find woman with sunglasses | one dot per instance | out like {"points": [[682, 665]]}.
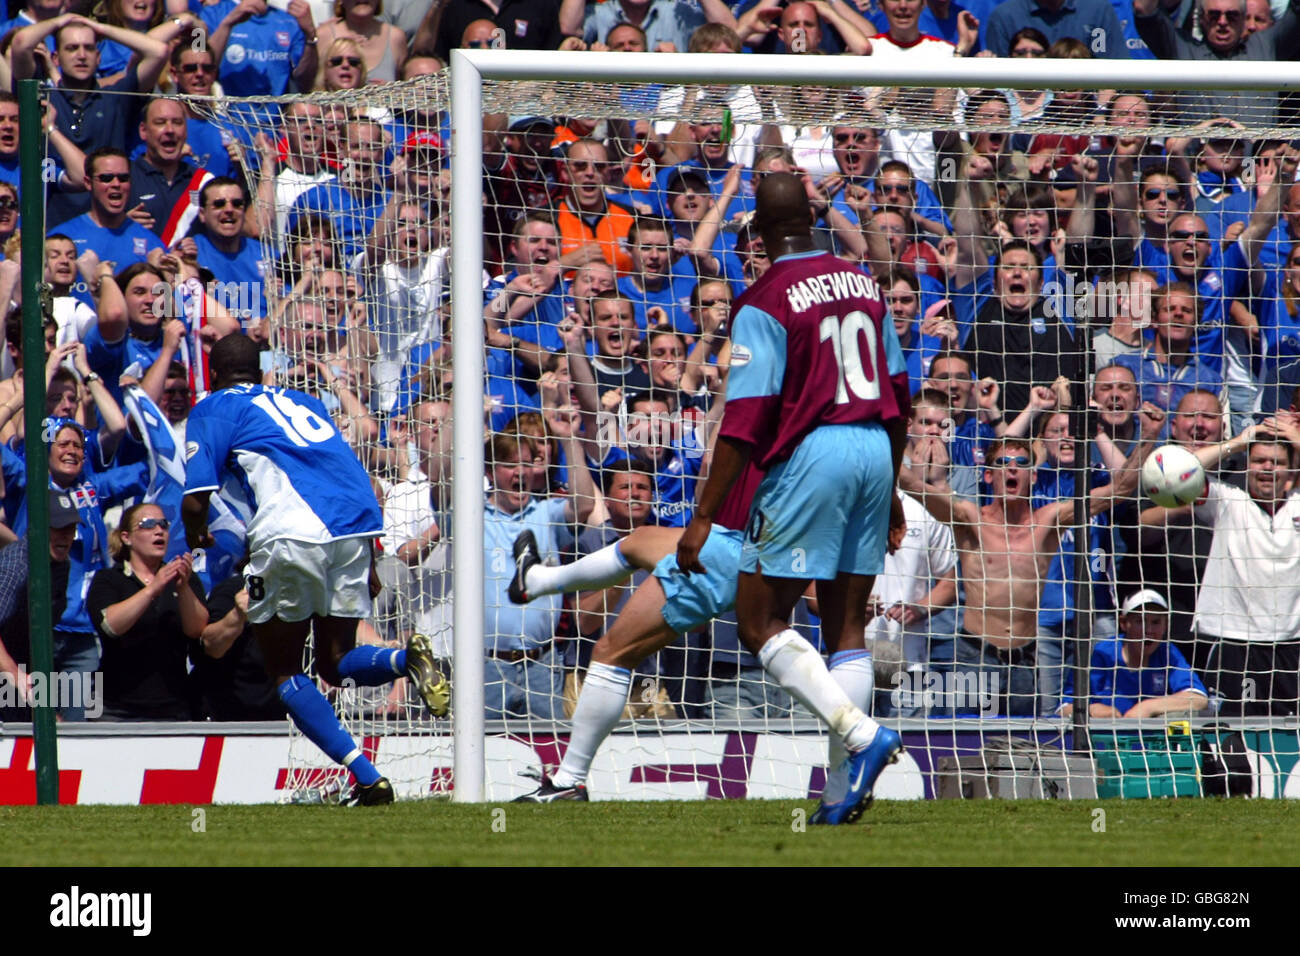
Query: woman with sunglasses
{"points": [[381, 46], [146, 609]]}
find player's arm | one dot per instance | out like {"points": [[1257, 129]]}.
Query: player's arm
{"points": [[730, 456], [194, 512]]}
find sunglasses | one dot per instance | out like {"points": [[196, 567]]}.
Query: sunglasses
{"points": [[1004, 461], [222, 203], [893, 188], [7, 204], [1228, 16], [352, 61], [1181, 235], [843, 138], [113, 177], [710, 303], [1155, 192], [197, 68], [148, 524]]}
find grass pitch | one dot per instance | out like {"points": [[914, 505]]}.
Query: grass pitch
{"points": [[732, 833]]}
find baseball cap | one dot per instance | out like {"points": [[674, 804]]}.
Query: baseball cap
{"points": [[429, 141], [63, 513], [680, 179], [518, 124], [1142, 599]]}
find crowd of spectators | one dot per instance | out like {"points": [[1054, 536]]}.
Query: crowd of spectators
{"points": [[1025, 273]]}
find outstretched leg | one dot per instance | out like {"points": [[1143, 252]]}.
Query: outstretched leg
{"points": [[639, 631]]}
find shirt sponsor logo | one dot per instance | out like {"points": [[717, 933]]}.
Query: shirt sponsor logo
{"points": [[739, 355]]}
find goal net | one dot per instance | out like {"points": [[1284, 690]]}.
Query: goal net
{"points": [[1045, 239]]}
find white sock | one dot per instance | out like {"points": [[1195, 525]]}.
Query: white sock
{"points": [[600, 705], [798, 668], [853, 672], [600, 569]]}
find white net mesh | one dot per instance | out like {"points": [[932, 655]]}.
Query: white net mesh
{"points": [[1014, 233]]}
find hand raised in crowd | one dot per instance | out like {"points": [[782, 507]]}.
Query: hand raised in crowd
{"points": [[1151, 419], [141, 216], [937, 323]]}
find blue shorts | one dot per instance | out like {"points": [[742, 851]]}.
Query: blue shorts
{"points": [[695, 599], [825, 509]]}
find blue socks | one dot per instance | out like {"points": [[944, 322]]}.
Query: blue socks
{"points": [[319, 724], [370, 666]]}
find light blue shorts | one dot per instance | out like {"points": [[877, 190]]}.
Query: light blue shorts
{"points": [[695, 599], [825, 509]]}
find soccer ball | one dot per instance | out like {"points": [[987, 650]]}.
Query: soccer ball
{"points": [[1172, 476]]}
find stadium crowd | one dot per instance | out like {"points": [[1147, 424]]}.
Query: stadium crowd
{"points": [[614, 251]]}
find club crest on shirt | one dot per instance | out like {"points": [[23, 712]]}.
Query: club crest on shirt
{"points": [[138, 247], [282, 38], [739, 355], [521, 28]]}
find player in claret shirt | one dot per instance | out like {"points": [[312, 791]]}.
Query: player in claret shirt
{"points": [[310, 546], [818, 399]]}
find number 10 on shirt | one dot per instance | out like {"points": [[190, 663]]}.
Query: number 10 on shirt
{"points": [[843, 335]]}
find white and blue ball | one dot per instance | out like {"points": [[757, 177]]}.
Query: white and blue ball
{"points": [[1172, 477]]}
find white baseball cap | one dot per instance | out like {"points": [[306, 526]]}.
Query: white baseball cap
{"points": [[1142, 598]]}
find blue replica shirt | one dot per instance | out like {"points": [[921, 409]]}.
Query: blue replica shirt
{"points": [[674, 297], [299, 479], [261, 52], [90, 548], [110, 359], [966, 450], [1092, 21], [714, 176], [1222, 279], [126, 245], [675, 478], [113, 57], [1279, 320], [509, 626], [354, 217], [667, 21], [242, 276], [1275, 249], [928, 204], [541, 325], [1116, 684], [1165, 385], [1056, 605]]}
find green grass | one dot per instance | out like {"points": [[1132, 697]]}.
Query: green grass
{"points": [[925, 833]]}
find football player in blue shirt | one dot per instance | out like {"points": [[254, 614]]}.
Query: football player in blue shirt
{"points": [[310, 544]]}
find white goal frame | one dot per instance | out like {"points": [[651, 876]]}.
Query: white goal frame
{"points": [[469, 68]]}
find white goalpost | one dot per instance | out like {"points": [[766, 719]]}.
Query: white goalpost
{"points": [[708, 723]]}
